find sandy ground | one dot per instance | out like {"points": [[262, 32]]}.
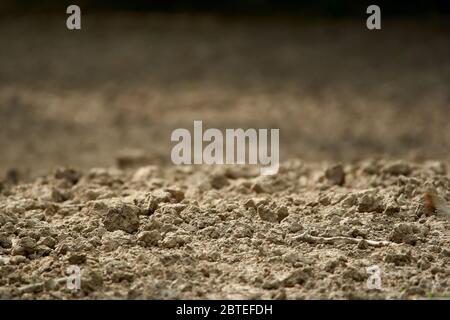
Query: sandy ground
{"points": [[139, 227], [187, 233]]}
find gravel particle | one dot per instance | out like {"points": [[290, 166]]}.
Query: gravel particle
{"points": [[219, 181], [404, 233], [298, 276], [267, 214], [122, 216], [369, 203], [77, 258], [335, 174], [150, 238], [398, 168]]}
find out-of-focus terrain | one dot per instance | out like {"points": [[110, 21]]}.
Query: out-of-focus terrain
{"points": [[336, 90]]}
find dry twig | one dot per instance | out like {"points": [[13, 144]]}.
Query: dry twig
{"points": [[332, 240]]}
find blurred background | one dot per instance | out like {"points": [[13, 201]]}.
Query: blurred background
{"points": [[140, 69]]}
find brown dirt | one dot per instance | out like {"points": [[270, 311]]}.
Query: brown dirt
{"points": [[142, 228], [178, 233]]}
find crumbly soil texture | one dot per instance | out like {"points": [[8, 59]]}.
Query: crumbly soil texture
{"points": [[225, 232]]}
